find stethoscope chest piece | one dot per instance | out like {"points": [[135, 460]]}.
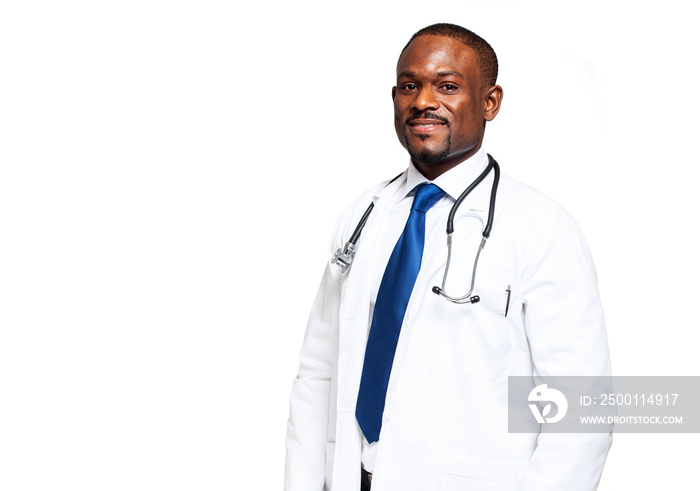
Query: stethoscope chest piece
{"points": [[344, 257]]}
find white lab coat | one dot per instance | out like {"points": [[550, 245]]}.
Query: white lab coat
{"points": [[445, 424]]}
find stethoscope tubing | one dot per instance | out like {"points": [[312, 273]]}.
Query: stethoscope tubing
{"points": [[468, 297]]}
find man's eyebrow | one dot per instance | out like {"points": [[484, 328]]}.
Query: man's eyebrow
{"points": [[448, 73], [407, 74], [439, 73]]}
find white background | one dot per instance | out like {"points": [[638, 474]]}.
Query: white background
{"points": [[170, 174]]}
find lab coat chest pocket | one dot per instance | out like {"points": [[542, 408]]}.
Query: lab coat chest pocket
{"points": [[477, 338]]}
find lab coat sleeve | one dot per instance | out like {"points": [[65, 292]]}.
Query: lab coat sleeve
{"points": [[307, 428], [566, 331]]}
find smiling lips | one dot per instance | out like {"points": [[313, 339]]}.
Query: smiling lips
{"points": [[423, 126]]}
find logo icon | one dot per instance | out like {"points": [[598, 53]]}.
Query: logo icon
{"points": [[543, 394]]}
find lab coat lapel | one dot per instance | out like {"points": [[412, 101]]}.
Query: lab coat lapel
{"points": [[354, 313]]}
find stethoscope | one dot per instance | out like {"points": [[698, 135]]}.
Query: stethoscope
{"points": [[345, 256]]}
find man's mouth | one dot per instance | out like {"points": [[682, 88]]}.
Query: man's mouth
{"points": [[425, 125]]}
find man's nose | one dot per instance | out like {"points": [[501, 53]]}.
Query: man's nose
{"points": [[425, 99]]}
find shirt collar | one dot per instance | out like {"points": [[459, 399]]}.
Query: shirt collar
{"points": [[455, 180]]}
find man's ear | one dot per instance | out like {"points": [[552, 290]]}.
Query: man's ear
{"points": [[492, 102], [393, 93]]}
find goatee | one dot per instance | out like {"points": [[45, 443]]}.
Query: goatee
{"points": [[426, 156]]}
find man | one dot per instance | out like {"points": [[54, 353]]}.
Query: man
{"points": [[401, 389]]}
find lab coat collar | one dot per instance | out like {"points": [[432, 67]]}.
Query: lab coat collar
{"points": [[454, 181]]}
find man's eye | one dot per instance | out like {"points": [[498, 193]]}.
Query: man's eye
{"points": [[409, 86], [449, 87]]}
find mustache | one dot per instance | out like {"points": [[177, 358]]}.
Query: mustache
{"points": [[427, 115]]}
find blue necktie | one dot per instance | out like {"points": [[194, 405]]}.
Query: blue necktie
{"points": [[389, 310]]}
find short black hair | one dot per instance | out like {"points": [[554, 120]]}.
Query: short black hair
{"points": [[486, 59]]}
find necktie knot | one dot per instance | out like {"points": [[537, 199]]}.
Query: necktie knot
{"points": [[425, 196]]}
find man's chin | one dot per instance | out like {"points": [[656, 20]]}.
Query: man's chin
{"points": [[429, 151], [429, 157]]}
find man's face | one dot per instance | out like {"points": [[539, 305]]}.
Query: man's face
{"points": [[440, 105]]}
